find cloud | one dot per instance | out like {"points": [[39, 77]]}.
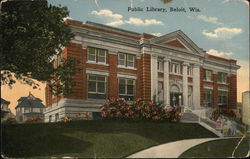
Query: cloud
{"points": [[139, 22], [220, 53], [157, 34], [113, 19], [213, 20], [115, 23], [223, 33], [105, 13]]}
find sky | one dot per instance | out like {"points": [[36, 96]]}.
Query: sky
{"points": [[220, 27]]}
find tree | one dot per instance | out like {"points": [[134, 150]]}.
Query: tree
{"points": [[32, 34]]}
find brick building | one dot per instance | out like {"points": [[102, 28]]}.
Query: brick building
{"points": [[118, 63]]}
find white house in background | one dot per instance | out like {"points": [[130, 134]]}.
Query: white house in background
{"points": [[5, 111], [246, 107], [28, 107]]}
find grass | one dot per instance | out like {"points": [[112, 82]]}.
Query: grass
{"points": [[89, 139], [219, 149]]}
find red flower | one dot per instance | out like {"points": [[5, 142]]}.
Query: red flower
{"points": [[167, 115]]}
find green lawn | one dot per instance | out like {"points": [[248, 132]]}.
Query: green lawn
{"points": [[218, 149], [93, 138]]}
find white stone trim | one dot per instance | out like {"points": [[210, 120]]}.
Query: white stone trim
{"points": [[222, 89], [161, 79], [124, 75], [97, 72], [99, 63], [76, 41], [130, 68], [208, 87]]}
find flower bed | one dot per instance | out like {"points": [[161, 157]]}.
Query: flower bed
{"points": [[120, 109]]}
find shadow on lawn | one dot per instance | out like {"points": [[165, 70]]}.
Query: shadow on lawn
{"points": [[78, 137], [50, 144], [153, 130]]}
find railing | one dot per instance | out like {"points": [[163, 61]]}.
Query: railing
{"points": [[203, 114]]}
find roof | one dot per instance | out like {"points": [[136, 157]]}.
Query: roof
{"points": [[30, 101], [176, 39], [4, 101]]}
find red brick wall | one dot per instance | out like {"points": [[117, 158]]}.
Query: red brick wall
{"points": [[76, 51], [138, 86], [232, 97], [190, 79], [221, 59], [145, 73], [80, 24], [215, 90], [176, 43], [112, 80]]}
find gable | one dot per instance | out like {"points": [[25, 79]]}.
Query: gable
{"points": [[176, 43], [178, 40]]}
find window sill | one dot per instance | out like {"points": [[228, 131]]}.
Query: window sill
{"points": [[222, 83], [208, 80], [92, 62], [171, 73], [131, 68]]}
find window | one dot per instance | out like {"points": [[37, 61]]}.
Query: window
{"points": [[222, 98], [50, 118], [208, 75], [126, 60], [160, 66], [97, 55], [36, 110], [26, 110], [126, 88], [189, 70], [175, 68], [208, 97], [57, 117], [96, 86], [222, 77]]}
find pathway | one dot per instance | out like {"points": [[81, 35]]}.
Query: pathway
{"points": [[172, 149]]}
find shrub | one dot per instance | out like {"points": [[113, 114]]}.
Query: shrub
{"points": [[119, 109], [34, 119], [228, 113], [10, 121], [66, 119]]}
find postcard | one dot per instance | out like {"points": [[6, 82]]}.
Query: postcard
{"points": [[125, 79]]}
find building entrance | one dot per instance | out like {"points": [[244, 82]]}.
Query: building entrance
{"points": [[175, 96], [176, 99]]}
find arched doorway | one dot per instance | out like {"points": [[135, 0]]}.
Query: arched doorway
{"points": [[175, 96]]}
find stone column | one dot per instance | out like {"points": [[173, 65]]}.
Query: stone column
{"points": [[154, 77], [185, 85], [196, 86], [166, 82]]}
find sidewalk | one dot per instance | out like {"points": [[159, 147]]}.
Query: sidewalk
{"points": [[172, 149]]}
